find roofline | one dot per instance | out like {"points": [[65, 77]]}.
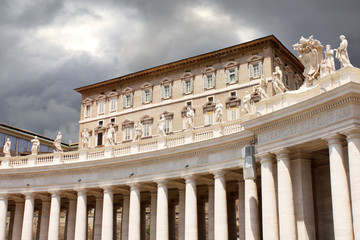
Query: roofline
{"points": [[183, 62]]}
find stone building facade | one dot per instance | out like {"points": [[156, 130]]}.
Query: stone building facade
{"points": [[283, 166]]}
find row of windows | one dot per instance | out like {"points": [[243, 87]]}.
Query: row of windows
{"points": [[231, 76], [21, 145]]}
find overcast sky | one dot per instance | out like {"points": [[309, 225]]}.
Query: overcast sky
{"points": [[50, 47]]}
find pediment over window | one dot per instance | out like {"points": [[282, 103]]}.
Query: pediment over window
{"points": [[187, 75], [127, 90], [100, 97], [184, 110], [166, 81], [167, 115], [113, 95], [146, 85], [255, 59], [99, 129], [209, 106], [232, 102], [146, 119], [209, 70], [231, 64], [127, 123], [87, 101]]}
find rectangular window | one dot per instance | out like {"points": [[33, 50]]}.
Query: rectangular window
{"points": [[167, 91], [87, 111], [210, 117], [101, 107], [147, 130], [112, 120], [233, 94], [127, 133], [147, 96], [210, 81], [287, 82], [101, 123], [167, 125], [113, 104], [296, 85], [188, 87], [100, 139], [128, 101], [256, 68], [233, 113], [232, 76]]}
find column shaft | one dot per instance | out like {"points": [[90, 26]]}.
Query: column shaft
{"points": [[125, 217], [211, 220], [231, 216], [242, 210], [27, 229], [107, 216], [3, 216], [44, 222], [81, 216], [153, 208], [252, 229], [98, 218], [353, 141], [162, 218], [287, 223], [181, 229], [172, 222], [191, 227], [269, 203], [134, 213], [18, 219], [54, 222], [70, 228], [201, 219], [339, 190], [220, 212]]}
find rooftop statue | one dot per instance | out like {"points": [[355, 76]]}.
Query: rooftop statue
{"points": [[35, 146], [342, 54], [57, 142], [6, 148], [310, 55], [328, 64], [261, 88], [85, 135], [218, 111], [277, 81]]}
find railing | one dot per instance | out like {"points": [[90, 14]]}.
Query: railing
{"points": [[152, 144]]}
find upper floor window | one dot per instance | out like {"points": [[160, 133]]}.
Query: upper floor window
{"points": [[87, 111], [255, 66], [146, 92], [187, 83], [113, 104], [87, 102], [147, 122], [287, 81], [101, 107], [209, 77], [209, 110], [127, 127], [128, 95], [233, 104], [231, 72], [166, 85], [113, 97], [168, 121]]}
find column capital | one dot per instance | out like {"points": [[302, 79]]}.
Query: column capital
{"points": [[190, 178], [334, 138], [3, 196], [29, 195], [54, 192], [161, 182], [107, 188], [265, 157], [281, 153], [218, 173], [353, 132], [134, 186], [81, 191]]}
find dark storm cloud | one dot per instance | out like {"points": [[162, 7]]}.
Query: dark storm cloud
{"points": [[50, 47]]}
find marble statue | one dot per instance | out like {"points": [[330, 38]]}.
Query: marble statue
{"points": [[218, 111], [85, 136], [161, 125], [277, 81], [329, 60], [247, 103], [261, 89], [139, 129], [6, 148], [57, 143], [189, 118], [310, 55], [342, 54], [35, 146], [110, 136]]}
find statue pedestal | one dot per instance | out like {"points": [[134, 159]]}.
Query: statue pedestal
{"points": [[109, 153], [134, 148], [5, 162], [57, 157], [32, 160], [188, 136], [218, 130], [82, 154], [162, 143]]}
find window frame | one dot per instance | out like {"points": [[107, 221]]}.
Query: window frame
{"points": [[187, 82], [128, 97], [231, 66], [255, 60]]}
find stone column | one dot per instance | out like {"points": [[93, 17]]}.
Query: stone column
{"points": [[27, 227], [134, 213], [54, 222], [107, 216], [287, 222], [153, 216], [181, 228], [339, 190], [252, 228], [3, 215], [269, 203], [303, 196], [191, 227], [211, 220], [81, 216], [353, 142], [125, 217], [220, 208], [162, 218], [242, 210], [44, 222], [18, 219], [98, 217], [70, 228], [172, 222]]}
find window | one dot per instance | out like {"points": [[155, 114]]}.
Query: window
{"points": [[210, 99], [287, 81], [167, 91], [87, 111], [113, 104], [127, 127], [127, 133], [87, 103], [233, 94], [187, 83], [2, 139], [209, 119], [13, 142], [231, 72], [101, 123], [168, 121], [44, 148], [112, 120], [188, 87], [147, 130], [165, 88], [233, 113], [128, 101], [128, 95], [255, 66], [99, 139], [296, 85], [167, 125], [189, 103], [233, 104], [209, 110], [147, 96], [101, 107], [209, 77], [147, 122], [257, 72]]}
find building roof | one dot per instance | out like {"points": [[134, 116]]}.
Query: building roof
{"points": [[271, 39]]}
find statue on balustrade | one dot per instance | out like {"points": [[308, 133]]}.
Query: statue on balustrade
{"points": [[218, 111], [35, 146], [189, 118], [85, 136], [277, 81], [329, 61], [342, 54], [57, 143], [247, 108], [6, 148], [161, 125], [139, 129], [110, 136], [310, 54], [260, 90]]}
